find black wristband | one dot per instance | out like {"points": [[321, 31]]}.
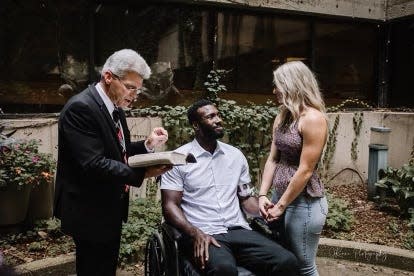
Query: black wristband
{"points": [[261, 196]]}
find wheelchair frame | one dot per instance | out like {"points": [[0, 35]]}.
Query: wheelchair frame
{"points": [[162, 255]]}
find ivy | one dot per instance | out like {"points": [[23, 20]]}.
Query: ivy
{"points": [[348, 102], [249, 128], [213, 84], [329, 150], [356, 123]]}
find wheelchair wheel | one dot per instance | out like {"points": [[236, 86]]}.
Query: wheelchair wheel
{"points": [[155, 259]]}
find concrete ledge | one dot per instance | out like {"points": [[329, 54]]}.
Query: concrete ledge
{"points": [[60, 265], [367, 253], [329, 248]]}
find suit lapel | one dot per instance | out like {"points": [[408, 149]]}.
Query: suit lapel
{"points": [[105, 113]]}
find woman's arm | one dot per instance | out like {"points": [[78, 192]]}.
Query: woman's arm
{"points": [[269, 168]]}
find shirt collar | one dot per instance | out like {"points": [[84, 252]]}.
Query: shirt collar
{"points": [[197, 150], [107, 101]]}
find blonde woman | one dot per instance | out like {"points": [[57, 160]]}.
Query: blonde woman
{"points": [[299, 136]]}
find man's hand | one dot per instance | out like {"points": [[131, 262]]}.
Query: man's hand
{"points": [[157, 137], [264, 205], [201, 243], [153, 171]]}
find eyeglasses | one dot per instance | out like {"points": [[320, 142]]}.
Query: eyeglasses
{"points": [[128, 86]]}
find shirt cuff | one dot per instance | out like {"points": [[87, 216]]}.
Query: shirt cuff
{"points": [[147, 148]]}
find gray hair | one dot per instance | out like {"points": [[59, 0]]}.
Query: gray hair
{"points": [[124, 61]]}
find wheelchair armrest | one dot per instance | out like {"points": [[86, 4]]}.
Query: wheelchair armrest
{"points": [[171, 232], [260, 225], [274, 231]]}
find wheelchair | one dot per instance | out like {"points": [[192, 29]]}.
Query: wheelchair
{"points": [[163, 258]]}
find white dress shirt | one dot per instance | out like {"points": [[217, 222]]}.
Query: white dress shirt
{"points": [[210, 200]]}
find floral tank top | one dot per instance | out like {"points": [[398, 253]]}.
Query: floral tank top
{"points": [[289, 144]]}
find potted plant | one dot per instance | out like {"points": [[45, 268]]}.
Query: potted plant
{"points": [[22, 167]]}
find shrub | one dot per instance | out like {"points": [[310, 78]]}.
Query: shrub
{"points": [[400, 184], [21, 163], [249, 127], [409, 241], [339, 218], [144, 217]]}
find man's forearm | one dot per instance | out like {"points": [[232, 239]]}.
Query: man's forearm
{"points": [[174, 215]]}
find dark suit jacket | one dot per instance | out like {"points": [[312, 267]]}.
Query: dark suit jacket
{"points": [[89, 193]]}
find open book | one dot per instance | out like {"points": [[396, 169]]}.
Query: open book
{"points": [[160, 158]]}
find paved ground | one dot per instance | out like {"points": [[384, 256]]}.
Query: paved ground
{"points": [[333, 267], [330, 261]]}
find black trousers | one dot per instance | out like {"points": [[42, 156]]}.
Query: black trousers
{"points": [[96, 258], [249, 249]]}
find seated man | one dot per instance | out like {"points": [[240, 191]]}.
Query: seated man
{"points": [[203, 201]]}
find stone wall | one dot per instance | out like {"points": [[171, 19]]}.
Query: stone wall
{"points": [[45, 130], [368, 9], [399, 8], [401, 141]]}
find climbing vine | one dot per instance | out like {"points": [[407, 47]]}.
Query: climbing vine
{"points": [[329, 149], [213, 84], [249, 127], [356, 123], [348, 102]]}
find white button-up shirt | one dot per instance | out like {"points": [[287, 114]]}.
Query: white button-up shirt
{"points": [[210, 200]]}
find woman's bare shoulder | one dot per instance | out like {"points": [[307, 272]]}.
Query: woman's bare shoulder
{"points": [[312, 117]]}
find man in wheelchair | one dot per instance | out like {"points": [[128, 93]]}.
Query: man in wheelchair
{"points": [[203, 200]]}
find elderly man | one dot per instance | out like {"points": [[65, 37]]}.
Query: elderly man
{"points": [[203, 201], [93, 176]]}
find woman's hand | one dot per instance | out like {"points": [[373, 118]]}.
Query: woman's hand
{"points": [[264, 205], [275, 212]]}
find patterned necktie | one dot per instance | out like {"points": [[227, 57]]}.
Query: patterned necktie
{"points": [[118, 128]]}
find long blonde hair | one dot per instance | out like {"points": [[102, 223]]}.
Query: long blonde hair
{"points": [[299, 89]]}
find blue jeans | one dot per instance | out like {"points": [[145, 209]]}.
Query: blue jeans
{"points": [[304, 220]]}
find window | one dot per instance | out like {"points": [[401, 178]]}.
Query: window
{"points": [[251, 46], [54, 43], [402, 57], [344, 60], [38, 43]]}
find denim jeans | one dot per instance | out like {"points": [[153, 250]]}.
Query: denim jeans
{"points": [[304, 220]]}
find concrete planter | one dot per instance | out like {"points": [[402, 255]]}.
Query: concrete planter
{"points": [[41, 202], [14, 204]]}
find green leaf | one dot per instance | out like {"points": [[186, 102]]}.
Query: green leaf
{"points": [[395, 189], [408, 194]]}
